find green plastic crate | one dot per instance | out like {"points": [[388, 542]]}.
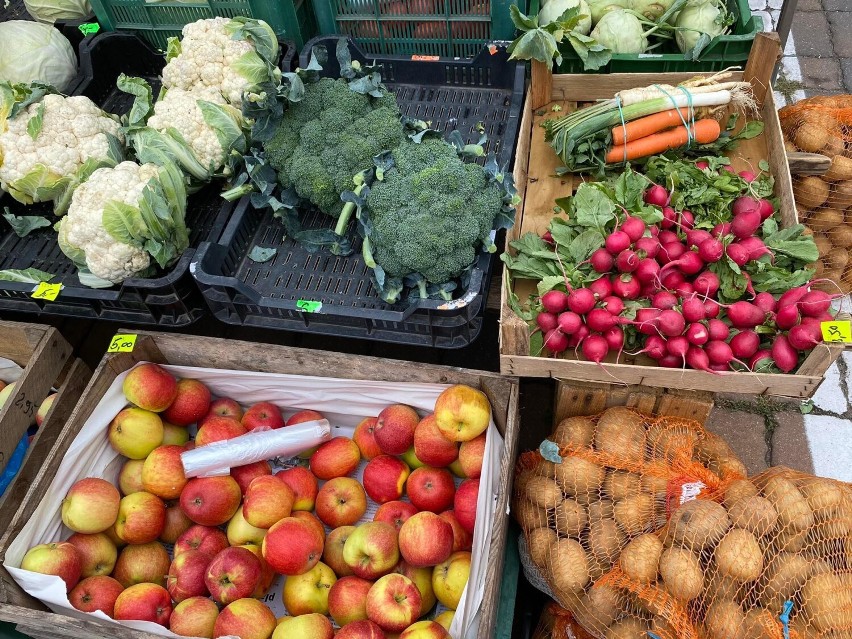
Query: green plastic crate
{"points": [[448, 28], [158, 21], [723, 51]]}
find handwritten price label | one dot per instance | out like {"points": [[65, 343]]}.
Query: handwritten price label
{"points": [[309, 306], [838, 331], [46, 291], [122, 344], [26, 406]]}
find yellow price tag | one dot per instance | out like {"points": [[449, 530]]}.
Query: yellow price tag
{"points": [[839, 331], [122, 343], [46, 291]]}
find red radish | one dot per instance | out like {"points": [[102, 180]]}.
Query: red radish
{"points": [[787, 317], [647, 270], [695, 237], [711, 250], [581, 300], [755, 247], [792, 296], [554, 301], [616, 242], [594, 348], [746, 224], [719, 367], [601, 287], [613, 305], [649, 289], [668, 237], [761, 361], [547, 237], [684, 289], [671, 323], [555, 341], [670, 252], [701, 164], [737, 253], [655, 230], [728, 168], [766, 209], [765, 302], [785, 356], [693, 309], [646, 321], [577, 337], [546, 321], [614, 338], [745, 204], [670, 361], [711, 308], [687, 220], [748, 176], [602, 261], [634, 227], [647, 247], [707, 283], [672, 279], [689, 263], [718, 330], [697, 334], [745, 344], [600, 320], [718, 352], [626, 262], [626, 286], [655, 347], [805, 336], [569, 322], [745, 315], [669, 217], [677, 346], [656, 195], [814, 303], [696, 358], [749, 288], [664, 300], [720, 230]]}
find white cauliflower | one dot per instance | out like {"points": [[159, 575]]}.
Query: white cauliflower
{"points": [[33, 160]]}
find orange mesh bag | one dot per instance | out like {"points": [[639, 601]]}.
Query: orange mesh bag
{"points": [[824, 202], [558, 623]]}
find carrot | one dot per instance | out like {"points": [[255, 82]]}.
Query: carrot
{"points": [[704, 132], [643, 127]]}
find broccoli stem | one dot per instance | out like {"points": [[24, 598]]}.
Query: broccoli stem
{"points": [[346, 213], [234, 194], [422, 286], [446, 295], [367, 253]]}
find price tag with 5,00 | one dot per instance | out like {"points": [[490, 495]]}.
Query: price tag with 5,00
{"points": [[837, 331], [122, 343]]}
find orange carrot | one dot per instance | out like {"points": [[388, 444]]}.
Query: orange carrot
{"points": [[643, 127], [704, 132]]}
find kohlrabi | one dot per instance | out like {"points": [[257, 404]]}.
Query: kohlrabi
{"points": [[554, 9], [699, 22], [620, 32]]}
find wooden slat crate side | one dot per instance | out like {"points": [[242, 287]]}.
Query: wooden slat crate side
{"points": [[20, 340]]}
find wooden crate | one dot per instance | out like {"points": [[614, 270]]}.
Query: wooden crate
{"points": [[33, 618], [46, 359], [535, 165]]}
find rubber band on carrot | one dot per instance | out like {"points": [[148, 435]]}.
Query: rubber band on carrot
{"points": [[704, 132], [650, 124]]}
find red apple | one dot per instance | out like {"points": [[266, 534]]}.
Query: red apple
{"points": [[422, 578], [97, 553], [465, 503], [425, 540], [267, 500], [341, 502], [176, 524], [98, 592], [394, 430], [262, 415], [114, 538], [384, 478], [218, 429], [365, 438], [462, 539], [312, 626], [347, 600], [300, 418], [142, 563], [371, 550], [141, 518], [431, 447], [393, 603], [144, 602], [150, 387], [162, 472], [130, 477], [233, 574], [194, 617], [44, 408], [332, 554], [268, 575], [246, 619], [223, 407], [245, 474], [204, 538], [471, 454], [91, 506], [303, 484], [191, 403], [292, 546], [425, 629], [364, 629], [210, 501], [185, 578], [310, 519], [335, 458], [431, 489], [395, 513], [175, 435], [60, 559], [462, 413]]}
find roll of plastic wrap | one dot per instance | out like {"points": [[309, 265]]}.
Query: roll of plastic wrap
{"points": [[219, 457]]}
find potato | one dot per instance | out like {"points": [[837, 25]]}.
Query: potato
{"points": [[654, 484], [755, 514], [792, 508], [837, 258], [682, 573], [835, 145], [627, 628], [825, 497], [738, 555], [570, 518], [539, 542], [841, 195], [641, 557], [569, 566], [823, 244], [635, 513], [620, 483], [833, 279], [577, 476], [699, 523], [728, 466], [840, 169], [603, 603], [543, 492], [823, 220], [724, 620], [545, 468], [810, 192], [662, 628], [528, 514], [827, 602], [574, 431], [760, 624], [667, 440], [621, 432], [791, 540], [737, 490], [841, 236], [605, 539], [782, 579], [601, 509], [789, 146], [598, 567], [811, 137], [720, 586]]}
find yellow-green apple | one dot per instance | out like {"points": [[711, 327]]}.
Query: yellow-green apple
{"points": [[311, 519], [347, 600], [267, 500], [394, 430], [144, 602], [174, 435], [91, 506], [462, 539], [431, 489], [135, 432], [371, 550], [210, 501], [204, 538], [422, 578], [465, 503], [384, 478], [262, 415], [176, 524], [246, 619], [410, 458], [218, 429], [60, 559], [341, 502], [364, 629], [300, 418], [223, 407], [5, 392], [191, 403], [462, 413], [130, 477], [142, 563], [456, 469], [98, 592], [366, 439], [446, 618], [268, 575], [141, 518], [97, 553], [162, 472], [471, 454], [395, 513], [308, 592], [303, 484], [293, 546], [426, 539], [240, 532], [150, 387], [332, 554], [233, 574], [450, 578], [431, 447], [114, 538], [312, 626], [425, 630], [393, 602], [194, 617], [335, 458], [43, 408], [186, 573], [244, 475]]}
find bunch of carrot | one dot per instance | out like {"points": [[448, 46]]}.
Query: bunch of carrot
{"points": [[658, 133]]}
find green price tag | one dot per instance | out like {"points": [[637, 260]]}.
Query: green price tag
{"points": [[839, 331], [122, 343], [309, 306], [89, 28], [45, 291]]}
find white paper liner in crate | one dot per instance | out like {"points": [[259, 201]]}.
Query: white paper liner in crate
{"points": [[9, 371], [343, 402]]}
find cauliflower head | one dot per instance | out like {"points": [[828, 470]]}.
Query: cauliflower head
{"points": [[50, 140]]}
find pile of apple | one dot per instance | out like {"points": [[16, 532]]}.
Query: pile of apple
{"points": [[39, 413], [230, 535]]}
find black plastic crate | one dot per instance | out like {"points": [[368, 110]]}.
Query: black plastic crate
{"points": [[453, 94], [169, 299]]}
